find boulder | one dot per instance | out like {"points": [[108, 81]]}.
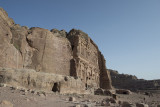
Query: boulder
{"points": [[141, 105], [127, 104], [112, 100], [105, 103], [77, 105], [2, 85], [123, 91], [114, 96], [6, 103], [108, 92], [99, 91], [72, 99], [87, 105], [61, 33]]}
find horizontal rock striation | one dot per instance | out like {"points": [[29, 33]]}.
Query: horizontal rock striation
{"points": [[31, 79], [125, 81]]}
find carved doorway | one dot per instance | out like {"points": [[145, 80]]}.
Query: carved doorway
{"points": [[55, 87]]}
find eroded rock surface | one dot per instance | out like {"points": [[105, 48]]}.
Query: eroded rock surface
{"points": [[131, 82], [56, 52], [9, 55], [42, 81]]}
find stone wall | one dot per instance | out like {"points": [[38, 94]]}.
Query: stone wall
{"points": [[125, 81]]}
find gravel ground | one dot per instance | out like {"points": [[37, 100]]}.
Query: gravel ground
{"points": [[33, 98]]}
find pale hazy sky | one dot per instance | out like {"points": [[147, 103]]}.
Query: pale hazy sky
{"points": [[126, 31]]}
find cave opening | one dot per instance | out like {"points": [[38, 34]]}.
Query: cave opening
{"points": [[72, 47], [55, 87], [124, 92]]}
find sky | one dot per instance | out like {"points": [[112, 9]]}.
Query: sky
{"points": [[127, 32]]}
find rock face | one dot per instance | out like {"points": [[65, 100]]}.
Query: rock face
{"points": [[88, 63], [9, 55], [51, 53], [56, 52], [125, 81], [43, 81]]}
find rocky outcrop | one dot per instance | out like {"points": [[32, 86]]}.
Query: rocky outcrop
{"points": [[56, 52], [9, 55], [125, 81], [31, 79]]}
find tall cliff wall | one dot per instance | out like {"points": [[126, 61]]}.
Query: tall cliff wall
{"points": [[125, 81], [88, 60], [58, 52], [9, 55]]}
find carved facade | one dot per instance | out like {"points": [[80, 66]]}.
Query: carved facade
{"points": [[86, 59], [87, 62]]}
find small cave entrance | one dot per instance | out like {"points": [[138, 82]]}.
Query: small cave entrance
{"points": [[72, 47], [125, 93], [86, 86], [55, 87]]}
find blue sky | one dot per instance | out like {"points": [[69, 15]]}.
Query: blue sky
{"points": [[126, 31]]}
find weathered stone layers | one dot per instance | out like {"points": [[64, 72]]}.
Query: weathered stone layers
{"points": [[125, 81], [56, 52], [29, 78]]}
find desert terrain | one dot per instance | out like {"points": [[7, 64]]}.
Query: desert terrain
{"points": [[55, 68], [21, 97]]}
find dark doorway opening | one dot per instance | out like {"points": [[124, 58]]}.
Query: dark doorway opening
{"points": [[124, 92], [72, 47], [86, 86], [55, 87]]}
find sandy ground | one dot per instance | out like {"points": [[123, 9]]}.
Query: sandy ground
{"points": [[23, 98]]}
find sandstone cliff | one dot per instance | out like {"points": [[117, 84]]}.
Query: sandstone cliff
{"points": [[125, 81], [56, 52]]}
